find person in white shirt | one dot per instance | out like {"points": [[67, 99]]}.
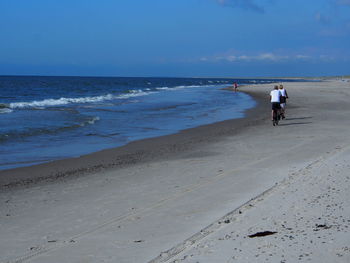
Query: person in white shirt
{"points": [[275, 96], [283, 101]]}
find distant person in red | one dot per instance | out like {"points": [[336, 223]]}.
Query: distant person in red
{"points": [[235, 85]]}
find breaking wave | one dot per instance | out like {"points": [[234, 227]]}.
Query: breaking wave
{"points": [[5, 110], [81, 100]]}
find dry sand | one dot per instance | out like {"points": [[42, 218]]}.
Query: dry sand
{"points": [[196, 196]]}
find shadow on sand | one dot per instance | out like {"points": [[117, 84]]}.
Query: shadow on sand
{"points": [[300, 118], [294, 123]]}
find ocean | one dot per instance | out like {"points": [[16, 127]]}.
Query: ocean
{"points": [[49, 118]]}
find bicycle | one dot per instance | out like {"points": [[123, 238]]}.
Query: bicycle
{"points": [[276, 117]]}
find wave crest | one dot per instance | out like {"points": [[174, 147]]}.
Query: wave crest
{"points": [[60, 101], [5, 110], [81, 100]]}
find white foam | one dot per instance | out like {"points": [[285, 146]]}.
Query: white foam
{"points": [[5, 110], [92, 121], [61, 101], [65, 101], [182, 87], [134, 93], [162, 88]]}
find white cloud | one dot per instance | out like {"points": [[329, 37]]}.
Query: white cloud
{"points": [[231, 58], [271, 57], [244, 57], [245, 4], [327, 58], [343, 2], [262, 57], [302, 57], [334, 32], [322, 18]]}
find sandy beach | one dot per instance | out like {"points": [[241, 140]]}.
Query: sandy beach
{"points": [[235, 191]]}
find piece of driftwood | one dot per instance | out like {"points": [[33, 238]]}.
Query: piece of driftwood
{"points": [[262, 234]]}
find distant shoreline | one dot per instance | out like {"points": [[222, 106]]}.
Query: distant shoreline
{"points": [[197, 77]]}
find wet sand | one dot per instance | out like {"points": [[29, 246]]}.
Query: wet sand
{"points": [[196, 196]]}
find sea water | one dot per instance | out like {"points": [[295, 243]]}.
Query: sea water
{"points": [[50, 118]]}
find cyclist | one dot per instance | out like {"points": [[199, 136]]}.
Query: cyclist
{"points": [[283, 101], [275, 96]]}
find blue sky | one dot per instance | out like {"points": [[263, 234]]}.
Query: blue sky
{"points": [[224, 38]]}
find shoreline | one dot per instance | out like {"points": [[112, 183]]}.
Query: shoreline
{"points": [[139, 151], [291, 180]]}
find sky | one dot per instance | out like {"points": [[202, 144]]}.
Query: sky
{"points": [[175, 38]]}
